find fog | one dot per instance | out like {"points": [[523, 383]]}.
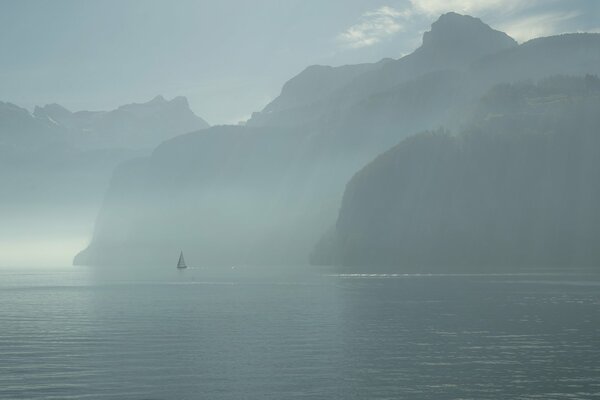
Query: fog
{"points": [[52, 249], [138, 183], [350, 199], [56, 166], [268, 192]]}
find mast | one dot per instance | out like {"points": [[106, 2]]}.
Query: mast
{"points": [[181, 262]]}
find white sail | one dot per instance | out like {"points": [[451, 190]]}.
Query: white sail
{"points": [[181, 262]]}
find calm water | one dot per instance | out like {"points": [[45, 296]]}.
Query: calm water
{"points": [[89, 334]]}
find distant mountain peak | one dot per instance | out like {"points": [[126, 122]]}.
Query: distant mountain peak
{"points": [[158, 99], [53, 112], [160, 102], [465, 34], [52, 107], [134, 125], [180, 101]]}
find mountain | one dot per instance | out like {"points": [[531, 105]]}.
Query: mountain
{"points": [[317, 81], [266, 192], [301, 96], [517, 189], [55, 164], [224, 195], [18, 128], [137, 125], [40, 151], [456, 40], [453, 42]]}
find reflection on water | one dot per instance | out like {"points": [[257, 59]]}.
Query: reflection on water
{"points": [[238, 333]]}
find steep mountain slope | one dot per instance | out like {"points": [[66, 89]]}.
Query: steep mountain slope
{"points": [[518, 189], [294, 158], [453, 42], [301, 97]]}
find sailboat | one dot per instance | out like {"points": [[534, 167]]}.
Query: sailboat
{"points": [[181, 262]]}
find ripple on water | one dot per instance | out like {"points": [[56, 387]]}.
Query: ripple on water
{"points": [[349, 336]]}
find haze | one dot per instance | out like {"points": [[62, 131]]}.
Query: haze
{"points": [[228, 60], [345, 199]]}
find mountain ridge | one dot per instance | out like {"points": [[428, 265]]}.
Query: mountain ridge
{"points": [[130, 125], [432, 55]]}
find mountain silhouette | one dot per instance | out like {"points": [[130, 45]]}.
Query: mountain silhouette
{"points": [[270, 189], [55, 164], [137, 125], [505, 194]]}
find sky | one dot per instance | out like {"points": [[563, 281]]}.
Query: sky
{"points": [[228, 57]]}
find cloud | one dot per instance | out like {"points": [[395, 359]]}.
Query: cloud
{"points": [[383, 22], [546, 24], [437, 7], [523, 20], [373, 27]]}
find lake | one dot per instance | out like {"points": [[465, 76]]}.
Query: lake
{"points": [[86, 333]]}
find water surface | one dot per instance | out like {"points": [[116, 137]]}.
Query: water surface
{"points": [[138, 334]]}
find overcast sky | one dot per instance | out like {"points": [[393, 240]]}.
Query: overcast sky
{"points": [[229, 57]]}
